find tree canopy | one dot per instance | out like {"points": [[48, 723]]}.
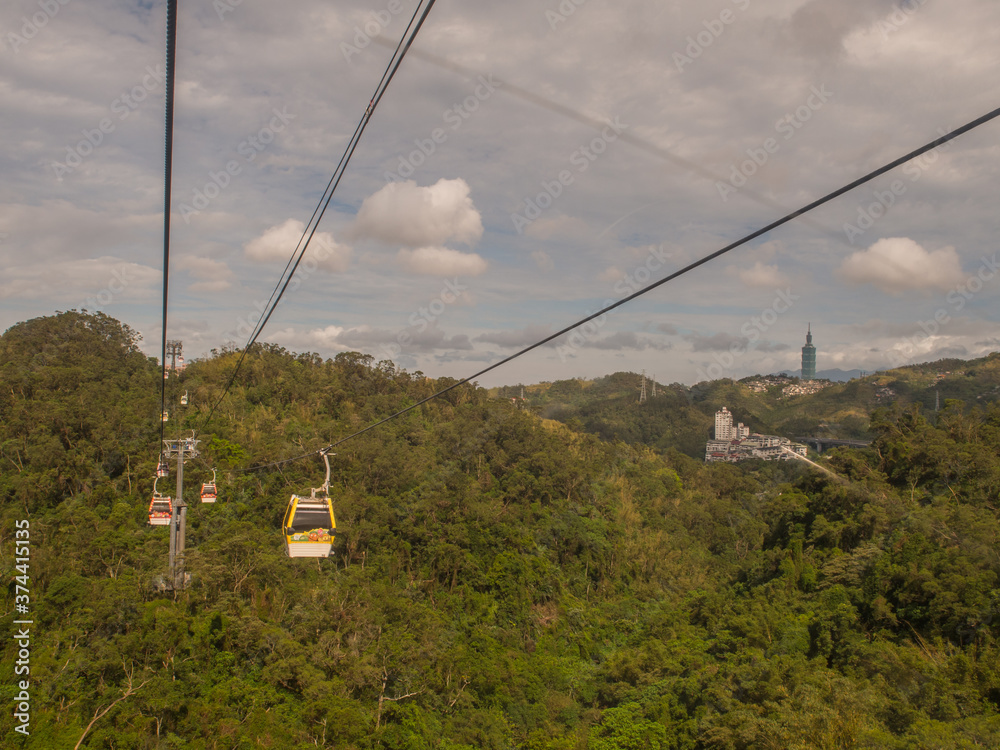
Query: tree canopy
{"points": [[500, 579]]}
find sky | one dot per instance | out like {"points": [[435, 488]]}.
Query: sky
{"points": [[530, 163]]}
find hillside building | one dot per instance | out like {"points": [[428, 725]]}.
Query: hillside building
{"points": [[723, 424], [736, 443], [724, 429]]}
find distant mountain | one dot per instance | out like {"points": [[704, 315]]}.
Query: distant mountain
{"points": [[681, 417]]}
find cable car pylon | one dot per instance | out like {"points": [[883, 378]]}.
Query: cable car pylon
{"points": [[181, 450]]}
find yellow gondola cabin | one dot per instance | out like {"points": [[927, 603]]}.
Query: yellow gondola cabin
{"points": [[309, 527]]}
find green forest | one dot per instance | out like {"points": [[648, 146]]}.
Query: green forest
{"points": [[506, 575], [681, 417]]}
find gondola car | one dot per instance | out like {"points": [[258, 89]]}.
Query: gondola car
{"points": [[161, 510], [209, 492], [309, 527]]}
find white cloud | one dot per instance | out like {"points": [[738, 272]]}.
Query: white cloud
{"points": [[329, 255], [278, 242], [326, 336], [543, 260], [380, 342], [516, 339], [211, 275], [687, 129], [441, 261], [316, 339], [96, 282], [819, 28], [627, 340], [610, 274], [763, 276], [898, 264], [403, 213], [566, 227]]}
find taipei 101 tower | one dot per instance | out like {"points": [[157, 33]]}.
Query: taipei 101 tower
{"points": [[809, 357]]}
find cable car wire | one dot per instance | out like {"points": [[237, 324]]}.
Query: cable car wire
{"points": [[345, 159], [309, 232], [676, 274], [167, 177], [626, 136], [336, 171]]}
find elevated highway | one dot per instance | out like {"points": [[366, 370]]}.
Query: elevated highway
{"points": [[821, 444]]}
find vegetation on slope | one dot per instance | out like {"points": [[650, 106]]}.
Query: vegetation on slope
{"points": [[682, 417], [499, 581]]}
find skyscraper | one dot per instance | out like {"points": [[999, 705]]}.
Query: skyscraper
{"points": [[809, 357]]}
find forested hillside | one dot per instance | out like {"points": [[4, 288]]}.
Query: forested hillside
{"points": [[499, 580], [680, 417]]}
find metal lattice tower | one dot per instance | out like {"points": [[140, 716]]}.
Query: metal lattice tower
{"points": [[654, 386], [174, 350], [642, 393]]}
